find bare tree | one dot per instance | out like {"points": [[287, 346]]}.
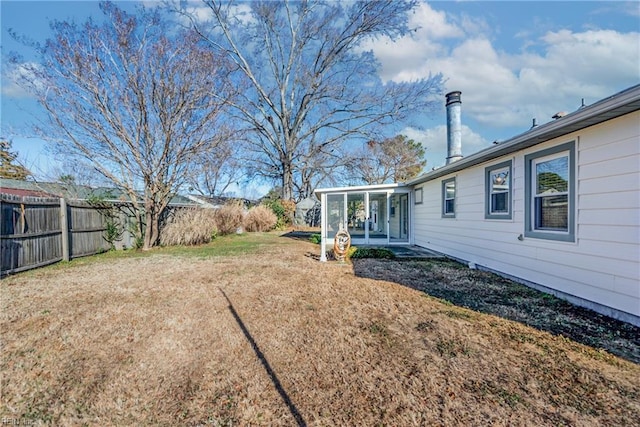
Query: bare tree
{"points": [[134, 98], [216, 170], [310, 86], [394, 159], [9, 165]]}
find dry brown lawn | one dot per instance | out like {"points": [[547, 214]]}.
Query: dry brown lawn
{"points": [[273, 337]]}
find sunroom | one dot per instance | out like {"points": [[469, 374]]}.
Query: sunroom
{"points": [[373, 214]]}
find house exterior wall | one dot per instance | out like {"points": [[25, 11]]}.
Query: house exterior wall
{"points": [[600, 269]]}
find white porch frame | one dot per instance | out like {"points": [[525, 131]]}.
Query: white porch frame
{"points": [[366, 191]]}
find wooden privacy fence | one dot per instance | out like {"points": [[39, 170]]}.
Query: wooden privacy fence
{"points": [[38, 231]]}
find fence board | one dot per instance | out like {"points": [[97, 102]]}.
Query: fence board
{"points": [[31, 234], [87, 225]]}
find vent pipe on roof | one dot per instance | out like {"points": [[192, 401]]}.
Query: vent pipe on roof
{"points": [[454, 126]]}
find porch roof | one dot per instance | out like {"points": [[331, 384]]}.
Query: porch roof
{"points": [[360, 188]]}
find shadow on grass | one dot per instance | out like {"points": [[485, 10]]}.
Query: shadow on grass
{"points": [[299, 235], [265, 363], [489, 293]]}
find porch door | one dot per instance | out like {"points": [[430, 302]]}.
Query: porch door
{"points": [[357, 217], [399, 218], [378, 230]]}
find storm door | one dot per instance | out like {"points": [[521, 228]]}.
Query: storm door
{"points": [[378, 229]]}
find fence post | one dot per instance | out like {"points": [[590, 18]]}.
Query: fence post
{"points": [[64, 229]]}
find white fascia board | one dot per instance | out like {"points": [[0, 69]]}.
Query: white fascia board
{"points": [[360, 188]]}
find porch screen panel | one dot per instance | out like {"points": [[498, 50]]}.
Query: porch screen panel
{"points": [[356, 215], [335, 214]]}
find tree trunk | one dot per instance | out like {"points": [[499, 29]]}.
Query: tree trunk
{"points": [[152, 231], [287, 181]]}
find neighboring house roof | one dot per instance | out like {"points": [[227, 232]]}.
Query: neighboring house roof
{"points": [[609, 108], [218, 201], [24, 193], [307, 203], [73, 191]]}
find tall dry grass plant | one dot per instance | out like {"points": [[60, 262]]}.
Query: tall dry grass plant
{"points": [[260, 218], [192, 226], [229, 218]]}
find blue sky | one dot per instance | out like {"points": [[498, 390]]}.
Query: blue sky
{"points": [[513, 61]]}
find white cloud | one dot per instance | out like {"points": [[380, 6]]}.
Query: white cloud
{"points": [[16, 76], [435, 141], [538, 78], [201, 14], [430, 23]]}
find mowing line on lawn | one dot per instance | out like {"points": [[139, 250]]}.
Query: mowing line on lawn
{"points": [[265, 363]]}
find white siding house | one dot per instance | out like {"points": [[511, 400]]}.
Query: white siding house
{"points": [[557, 207]]}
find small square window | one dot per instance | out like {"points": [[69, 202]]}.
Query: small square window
{"points": [[417, 194]]}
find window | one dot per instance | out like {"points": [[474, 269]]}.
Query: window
{"points": [[418, 196], [498, 191], [449, 198], [549, 192]]}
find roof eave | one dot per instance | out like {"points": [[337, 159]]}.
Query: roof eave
{"points": [[360, 188], [617, 105]]}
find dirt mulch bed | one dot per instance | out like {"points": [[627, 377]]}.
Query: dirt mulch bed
{"points": [[276, 338], [488, 293]]}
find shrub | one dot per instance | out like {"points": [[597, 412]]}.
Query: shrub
{"points": [[284, 210], [315, 238], [372, 253], [260, 218], [289, 210], [192, 226], [229, 218], [352, 250]]}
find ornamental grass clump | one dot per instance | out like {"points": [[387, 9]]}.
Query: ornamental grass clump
{"points": [[229, 218], [192, 226], [260, 218]]}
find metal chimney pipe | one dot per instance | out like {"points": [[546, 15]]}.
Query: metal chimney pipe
{"points": [[454, 126]]}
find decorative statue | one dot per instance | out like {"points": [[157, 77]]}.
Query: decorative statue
{"points": [[341, 244]]}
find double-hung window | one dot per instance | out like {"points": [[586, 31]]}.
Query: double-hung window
{"points": [[449, 198], [550, 194], [498, 191]]}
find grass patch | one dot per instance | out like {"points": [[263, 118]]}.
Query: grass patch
{"points": [[492, 391], [450, 347], [459, 314], [222, 246], [229, 245], [271, 336]]}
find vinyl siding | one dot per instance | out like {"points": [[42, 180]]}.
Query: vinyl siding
{"points": [[601, 266]]}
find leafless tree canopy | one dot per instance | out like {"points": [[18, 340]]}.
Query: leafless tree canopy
{"points": [[308, 84], [136, 98]]}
